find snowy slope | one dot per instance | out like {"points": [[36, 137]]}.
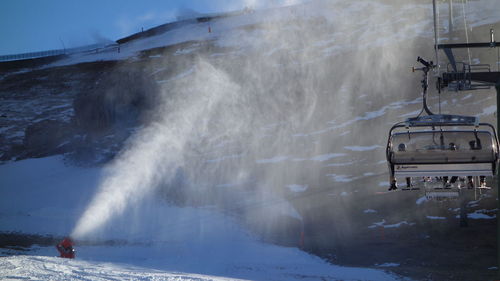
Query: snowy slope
{"points": [[164, 242], [50, 268], [231, 32]]}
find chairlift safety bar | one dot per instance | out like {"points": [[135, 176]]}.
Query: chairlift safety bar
{"points": [[442, 120]]}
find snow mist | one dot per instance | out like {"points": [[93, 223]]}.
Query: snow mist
{"points": [[156, 152], [263, 119]]}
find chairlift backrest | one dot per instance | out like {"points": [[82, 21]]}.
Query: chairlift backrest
{"points": [[442, 147]]}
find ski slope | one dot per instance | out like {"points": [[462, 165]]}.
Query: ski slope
{"points": [[233, 31], [153, 241]]}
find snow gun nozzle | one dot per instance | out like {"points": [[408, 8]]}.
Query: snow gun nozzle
{"points": [[65, 248]]}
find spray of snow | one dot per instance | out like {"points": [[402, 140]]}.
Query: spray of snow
{"points": [[156, 152], [230, 98]]}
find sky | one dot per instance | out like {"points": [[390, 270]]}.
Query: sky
{"points": [[32, 25]]}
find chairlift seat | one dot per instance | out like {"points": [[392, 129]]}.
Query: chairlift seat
{"points": [[425, 147], [437, 146]]}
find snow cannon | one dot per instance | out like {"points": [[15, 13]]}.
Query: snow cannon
{"points": [[65, 248]]}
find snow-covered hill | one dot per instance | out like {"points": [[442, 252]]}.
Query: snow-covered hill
{"points": [[162, 242]]}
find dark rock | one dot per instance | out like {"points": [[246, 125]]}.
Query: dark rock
{"points": [[118, 99], [47, 137], [24, 240], [13, 151]]}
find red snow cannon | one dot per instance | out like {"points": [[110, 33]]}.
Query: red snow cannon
{"points": [[66, 249]]}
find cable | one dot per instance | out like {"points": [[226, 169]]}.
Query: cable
{"points": [[436, 32], [439, 102], [466, 31]]}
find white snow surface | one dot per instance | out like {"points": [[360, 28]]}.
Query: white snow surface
{"points": [[488, 110], [481, 215], [436, 218], [421, 200], [389, 264], [395, 225], [297, 187], [276, 159], [326, 157], [340, 178], [155, 241], [362, 148]]}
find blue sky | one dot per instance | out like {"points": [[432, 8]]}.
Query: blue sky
{"points": [[36, 25]]}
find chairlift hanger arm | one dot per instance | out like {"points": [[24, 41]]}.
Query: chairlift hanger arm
{"points": [[427, 66]]}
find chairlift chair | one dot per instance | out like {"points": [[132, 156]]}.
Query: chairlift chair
{"points": [[442, 145]]}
